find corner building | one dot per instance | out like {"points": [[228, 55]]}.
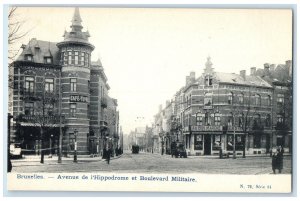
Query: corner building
{"points": [[79, 89]]}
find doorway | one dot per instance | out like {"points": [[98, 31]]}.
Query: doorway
{"points": [[207, 145]]}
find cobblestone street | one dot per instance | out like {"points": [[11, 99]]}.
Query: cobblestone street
{"points": [[153, 163]]}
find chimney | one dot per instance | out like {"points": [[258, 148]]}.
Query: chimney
{"points": [[192, 76], [252, 70], [187, 80], [272, 67], [243, 74], [288, 64], [266, 68]]}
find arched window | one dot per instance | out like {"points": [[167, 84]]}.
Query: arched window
{"points": [[230, 98]]}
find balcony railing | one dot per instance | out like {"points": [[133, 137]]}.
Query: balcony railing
{"points": [[103, 124]]}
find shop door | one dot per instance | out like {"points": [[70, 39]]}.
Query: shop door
{"points": [[207, 145]]}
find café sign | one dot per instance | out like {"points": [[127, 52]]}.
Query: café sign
{"points": [[78, 98], [206, 128]]}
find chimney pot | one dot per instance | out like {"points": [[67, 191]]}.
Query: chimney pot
{"points": [[253, 71]]}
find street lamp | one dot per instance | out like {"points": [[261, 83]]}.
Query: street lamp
{"points": [[75, 146]]}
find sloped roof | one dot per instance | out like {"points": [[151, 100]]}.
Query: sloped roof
{"points": [[40, 49], [233, 78]]}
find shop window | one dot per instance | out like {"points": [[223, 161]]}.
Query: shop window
{"points": [[257, 141], [198, 145], [216, 142], [239, 143], [280, 140], [230, 142]]}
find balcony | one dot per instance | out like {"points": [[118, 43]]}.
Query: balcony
{"points": [[103, 124], [103, 102]]}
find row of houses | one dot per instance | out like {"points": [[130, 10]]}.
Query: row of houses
{"points": [[58, 91], [236, 113]]}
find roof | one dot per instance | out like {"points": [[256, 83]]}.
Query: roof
{"points": [[233, 78], [40, 49]]}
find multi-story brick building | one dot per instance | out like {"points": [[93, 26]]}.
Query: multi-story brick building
{"points": [[236, 113], [57, 86]]}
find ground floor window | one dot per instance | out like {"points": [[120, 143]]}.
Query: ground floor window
{"points": [[198, 145], [238, 142], [280, 140], [257, 141], [216, 142]]}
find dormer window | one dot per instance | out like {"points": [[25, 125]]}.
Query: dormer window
{"points": [[28, 57], [48, 60], [208, 80]]}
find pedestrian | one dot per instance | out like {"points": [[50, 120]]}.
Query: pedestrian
{"points": [[274, 162], [280, 158], [108, 152]]}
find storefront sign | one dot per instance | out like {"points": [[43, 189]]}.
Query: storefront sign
{"points": [[78, 98], [206, 128]]}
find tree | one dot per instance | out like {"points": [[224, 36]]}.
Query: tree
{"points": [[44, 115]]}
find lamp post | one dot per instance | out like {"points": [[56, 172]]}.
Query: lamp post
{"points": [[234, 152], [75, 146]]}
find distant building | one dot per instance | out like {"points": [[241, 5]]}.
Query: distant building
{"points": [[58, 81], [232, 112]]}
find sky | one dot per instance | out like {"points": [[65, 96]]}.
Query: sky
{"points": [[147, 52]]}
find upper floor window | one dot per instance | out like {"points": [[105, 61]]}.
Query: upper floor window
{"points": [[199, 120], [49, 109], [207, 119], [73, 82], [217, 119], [280, 100], [230, 98], [29, 108], [241, 120], [269, 100], [29, 84], [76, 57], [73, 109], [48, 60], [241, 98], [257, 100], [208, 80], [230, 120], [49, 85], [81, 60], [28, 57], [279, 118], [70, 57]]}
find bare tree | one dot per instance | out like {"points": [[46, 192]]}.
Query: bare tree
{"points": [[15, 33]]}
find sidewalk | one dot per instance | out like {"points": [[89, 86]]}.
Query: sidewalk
{"points": [[35, 160]]}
